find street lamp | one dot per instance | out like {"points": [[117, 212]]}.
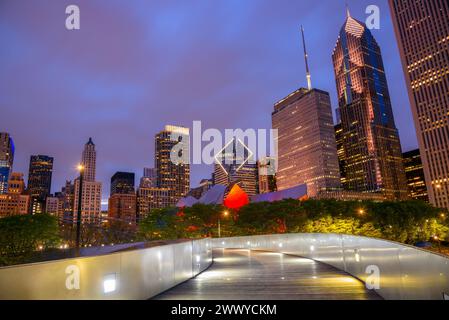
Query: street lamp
{"points": [[78, 218], [437, 239], [225, 214]]}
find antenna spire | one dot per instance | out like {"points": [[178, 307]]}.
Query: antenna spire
{"points": [[306, 58], [348, 13]]}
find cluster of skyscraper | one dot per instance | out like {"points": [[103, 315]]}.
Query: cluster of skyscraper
{"points": [[359, 158]]}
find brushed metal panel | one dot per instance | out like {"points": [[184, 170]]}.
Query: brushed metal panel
{"points": [[135, 274], [405, 272]]}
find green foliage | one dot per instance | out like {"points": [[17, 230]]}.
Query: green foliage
{"points": [[22, 235], [406, 221]]}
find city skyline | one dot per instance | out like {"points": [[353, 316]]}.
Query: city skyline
{"points": [[285, 72]]}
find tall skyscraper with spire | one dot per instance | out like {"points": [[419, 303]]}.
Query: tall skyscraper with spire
{"points": [[91, 191], [307, 151], [422, 31], [89, 161], [370, 138]]}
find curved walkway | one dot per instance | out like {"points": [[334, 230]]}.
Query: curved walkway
{"points": [[247, 275]]}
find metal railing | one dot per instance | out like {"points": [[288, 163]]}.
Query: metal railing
{"points": [[130, 274], [394, 270]]}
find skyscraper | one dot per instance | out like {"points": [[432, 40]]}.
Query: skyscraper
{"points": [[149, 179], [123, 183], [422, 31], [172, 165], [232, 167], [15, 201], [91, 191], [6, 160], [67, 199], [267, 175], [122, 201], [371, 141], [415, 175], [16, 183], [307, 153], [39, 181], [89, 161]]}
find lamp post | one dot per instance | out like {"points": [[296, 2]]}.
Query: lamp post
{"points": [[437, 239], [225, 214], [78, 218]]}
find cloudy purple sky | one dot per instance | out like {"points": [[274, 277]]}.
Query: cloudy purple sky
{"points": [[137, 65]]}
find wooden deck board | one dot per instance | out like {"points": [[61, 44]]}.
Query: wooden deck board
{"points": [[252, 275]]}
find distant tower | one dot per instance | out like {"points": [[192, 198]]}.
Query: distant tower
{"points": [[89, 161], [170, 175], [267, 175], [232, 167], [91, 193], [6, 160], [371, 141], [149, 179], [422, 32], [39, 181], [123, 200], [122, 183], [307, 152]]}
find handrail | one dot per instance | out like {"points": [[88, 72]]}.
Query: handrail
{"points": [[395, 271]]}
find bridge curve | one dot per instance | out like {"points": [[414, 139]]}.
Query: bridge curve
{"points": [[240, 274], [396, 271]]}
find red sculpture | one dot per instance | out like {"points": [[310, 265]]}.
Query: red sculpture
{"points": [[236, 198]]}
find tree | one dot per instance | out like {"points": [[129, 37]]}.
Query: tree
{"points": [[22, 235]]}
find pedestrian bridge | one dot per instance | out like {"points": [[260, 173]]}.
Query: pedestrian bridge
{"points": [[289, 266]]}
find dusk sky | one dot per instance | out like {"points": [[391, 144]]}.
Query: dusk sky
{"points": [[135, 66]]}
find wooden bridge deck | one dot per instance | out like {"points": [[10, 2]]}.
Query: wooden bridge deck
{"points": [[252, 275]]}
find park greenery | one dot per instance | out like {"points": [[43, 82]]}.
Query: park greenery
{"points": [[23, 238], [406, 221]]}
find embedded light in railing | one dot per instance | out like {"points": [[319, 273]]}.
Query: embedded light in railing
{"points": [[312, 248], [280, 245], [223, 243], [248, 243], [198, 258], [357, 257], [109, 283]]}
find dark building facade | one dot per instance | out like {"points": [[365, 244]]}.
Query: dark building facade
{"points": [[233, 166], [422, 31], [415, 175], [39, 181], [307, 153], [122, 183], [6, 160], [373, 156]]}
